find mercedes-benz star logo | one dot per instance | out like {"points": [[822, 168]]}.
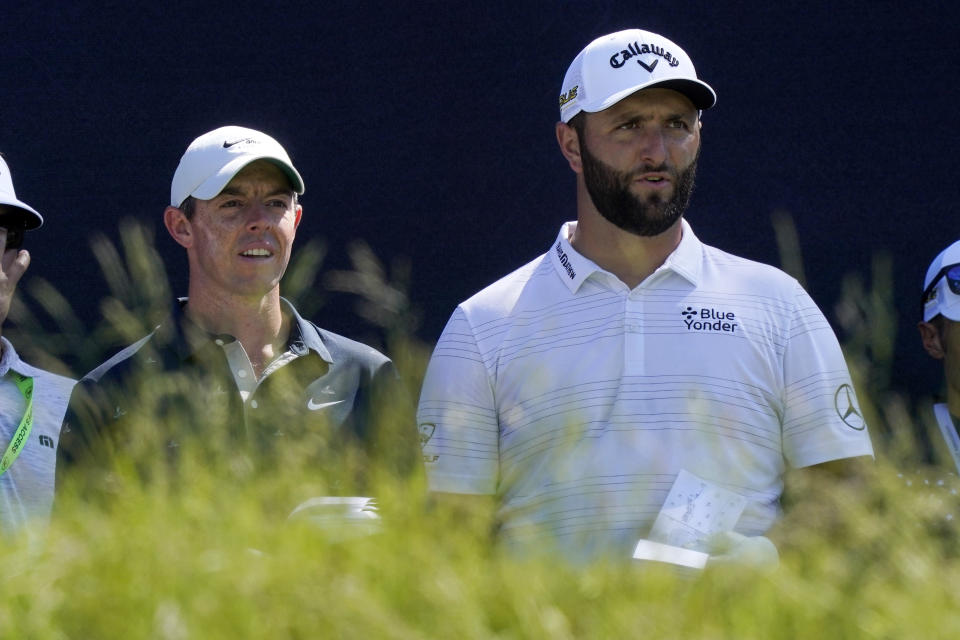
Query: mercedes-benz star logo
{"points": [[426, 432], [844, 400]]}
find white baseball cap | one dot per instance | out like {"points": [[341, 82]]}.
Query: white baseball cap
{"points": [[211, 161], [941, 287], [8, 197], [617, 65]]}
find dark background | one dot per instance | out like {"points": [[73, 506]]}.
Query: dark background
{"points": [[426, 129]]}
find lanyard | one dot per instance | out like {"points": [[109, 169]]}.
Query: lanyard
{"points": [[25, 385], [945, 420]]}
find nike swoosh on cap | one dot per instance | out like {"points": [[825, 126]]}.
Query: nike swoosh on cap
{"points": [[313, 406]]}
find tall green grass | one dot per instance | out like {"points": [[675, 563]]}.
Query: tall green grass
{"points": [[209, 552]]}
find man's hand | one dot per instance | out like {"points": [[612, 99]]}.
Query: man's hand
{"points": [[13, 264], [732, 548]]}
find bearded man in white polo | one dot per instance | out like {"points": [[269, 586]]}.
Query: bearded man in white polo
{"points": [[577, 389]]}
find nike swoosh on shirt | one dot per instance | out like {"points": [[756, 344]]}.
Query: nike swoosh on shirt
{"points": [[313, 406]]}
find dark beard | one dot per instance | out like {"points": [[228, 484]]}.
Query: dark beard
{"points": [[610, 191]]}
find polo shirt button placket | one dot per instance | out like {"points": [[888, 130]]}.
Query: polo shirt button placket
{"points": [[633, 342]]}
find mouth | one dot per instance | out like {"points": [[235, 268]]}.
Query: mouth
{"points": [[652, 178], [256, 253], [653, 183]]}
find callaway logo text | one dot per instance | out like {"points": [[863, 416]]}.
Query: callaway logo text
{"points": [[617, 60], [706, 319]]}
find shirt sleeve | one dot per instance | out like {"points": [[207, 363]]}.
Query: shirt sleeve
{"points": [[457, 415], [389, 417], [822, 418]]}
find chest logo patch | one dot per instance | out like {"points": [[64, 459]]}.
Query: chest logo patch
{"points": [[706, 319], [314, 406]]}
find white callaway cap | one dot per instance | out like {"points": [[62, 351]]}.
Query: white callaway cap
{"points": [[615, 66], [941, 300], [211, 161], [8, 197]]}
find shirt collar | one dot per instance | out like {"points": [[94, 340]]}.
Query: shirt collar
{"points": [[10, 359], [687, 259], [303, 336], [574, 268]]}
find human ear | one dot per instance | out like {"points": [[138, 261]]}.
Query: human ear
{"points": [[178, 226], [569, 143], [932, 342]]}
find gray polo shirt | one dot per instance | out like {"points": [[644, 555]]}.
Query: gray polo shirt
{"points": [[26, 488]]}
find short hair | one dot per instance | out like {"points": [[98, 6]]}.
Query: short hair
{"points": [[189, 206], [940, 324], [578, 122]]}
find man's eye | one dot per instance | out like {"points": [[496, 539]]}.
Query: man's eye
{"points": [[229, 204]]}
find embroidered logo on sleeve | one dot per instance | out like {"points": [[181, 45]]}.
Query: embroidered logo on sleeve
{"points": [[845, 402], [427, 430]]}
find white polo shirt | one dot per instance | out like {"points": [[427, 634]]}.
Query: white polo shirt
{"points": [[26, 488], [578, 400]]}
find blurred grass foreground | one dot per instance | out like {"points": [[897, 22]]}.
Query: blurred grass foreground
{"points": [[217, 555]]}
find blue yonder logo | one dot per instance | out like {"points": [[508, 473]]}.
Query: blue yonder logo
{"points": [[710, 320]]}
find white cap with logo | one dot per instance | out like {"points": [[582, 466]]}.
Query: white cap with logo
{"points": [[8, 197], [211, 161], [617, 65], [941, 286]]}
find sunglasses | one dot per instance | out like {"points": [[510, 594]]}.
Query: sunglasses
{"points": [[952, 273]]}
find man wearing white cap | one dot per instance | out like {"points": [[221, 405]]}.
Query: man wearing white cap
{"points": [[940, 335], [256, 378], [32, 401], [578, 388]]}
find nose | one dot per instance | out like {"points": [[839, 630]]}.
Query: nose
{"points": [[258, 217], [652, 146]]}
